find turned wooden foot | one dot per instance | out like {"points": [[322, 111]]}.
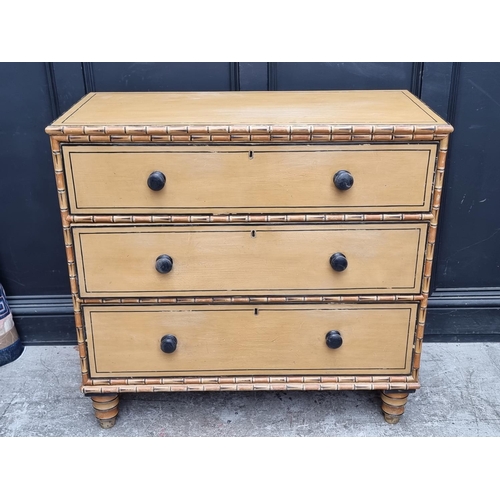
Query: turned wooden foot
{"points": [[106, 409], [393, 405]]}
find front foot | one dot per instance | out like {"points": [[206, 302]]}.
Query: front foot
{"points": [[393, 405], [106, 409]]}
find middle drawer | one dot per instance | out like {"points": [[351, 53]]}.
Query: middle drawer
{"points": [[153, 261]]}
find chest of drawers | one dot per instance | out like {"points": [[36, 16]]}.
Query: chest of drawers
{"points": [[249, 240]]}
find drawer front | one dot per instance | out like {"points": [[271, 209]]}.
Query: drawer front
{"points": [[256, 260], [233, 340], [235, 179]]}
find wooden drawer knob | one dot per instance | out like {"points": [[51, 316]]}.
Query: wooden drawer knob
{"points": [[168, 343], [333, 339], [164, 264], [338, 261], [343, 180], [156, 180]]}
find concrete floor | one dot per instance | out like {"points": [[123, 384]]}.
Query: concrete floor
{"points": [[460, 396]]}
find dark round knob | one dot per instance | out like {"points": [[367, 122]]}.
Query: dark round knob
{"points": [[168, 343], [338, 261], [164, 264], [343, 180], [333, 339], [156, 181]]}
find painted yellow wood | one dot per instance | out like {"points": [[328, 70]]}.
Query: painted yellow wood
{"points": [[251, 179], [124, 341], [252, 108], [250, 217], [263, 260]]}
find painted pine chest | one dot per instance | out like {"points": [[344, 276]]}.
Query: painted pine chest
{"points": [[246, 241]]}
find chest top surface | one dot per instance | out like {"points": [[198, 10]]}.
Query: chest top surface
{"points": [[378, 107]]}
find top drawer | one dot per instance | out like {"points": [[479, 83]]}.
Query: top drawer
{"points": [[113, 179]]}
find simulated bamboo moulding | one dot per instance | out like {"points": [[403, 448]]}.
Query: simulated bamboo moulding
{"points": [[246, 241]]}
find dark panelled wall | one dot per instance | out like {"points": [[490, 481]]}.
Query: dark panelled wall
{"points": [[465, 302]]}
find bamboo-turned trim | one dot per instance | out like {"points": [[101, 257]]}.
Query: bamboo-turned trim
{"points": [[248, 133], [226, 219], [262, 383], [312, 299], [70, 256], [429, 254]]}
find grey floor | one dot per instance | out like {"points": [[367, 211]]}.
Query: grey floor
{"points": [[460, 396]]}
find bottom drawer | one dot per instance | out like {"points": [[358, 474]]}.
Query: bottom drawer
{"points": [[126, 341]]}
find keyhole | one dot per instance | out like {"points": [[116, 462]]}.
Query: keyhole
{"points": [[256, 311], [253, 234], [250, 155]]}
